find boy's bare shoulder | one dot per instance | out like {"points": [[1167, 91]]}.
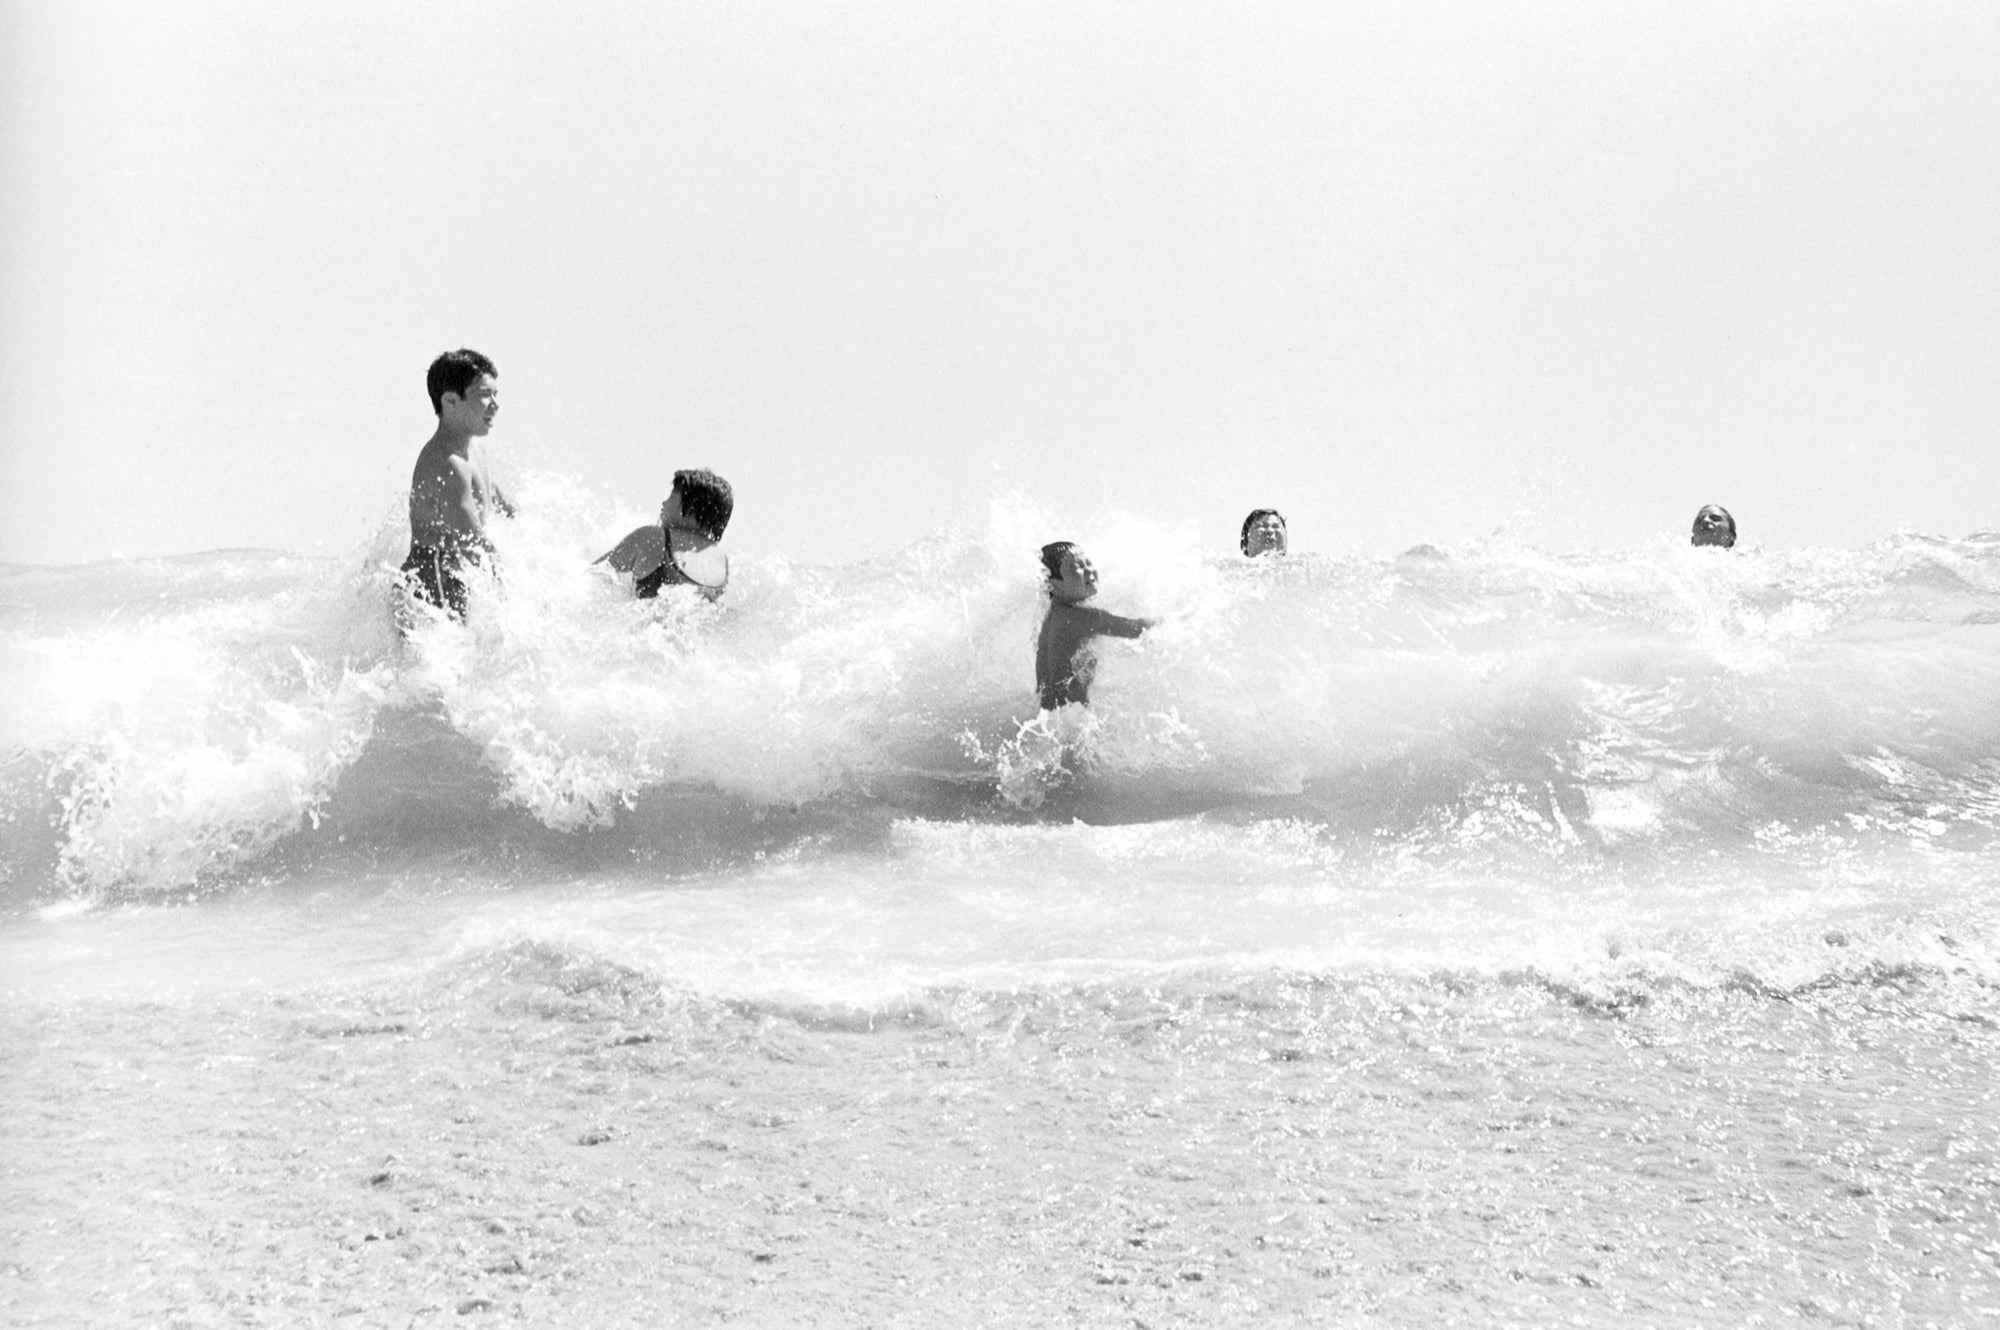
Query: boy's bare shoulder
{"points": [[639, 553]]}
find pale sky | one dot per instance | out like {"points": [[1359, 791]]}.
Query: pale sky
{"points": [[1406, 272]]}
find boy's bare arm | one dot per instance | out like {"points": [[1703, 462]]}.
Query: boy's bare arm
{"points": [[464, 495], [485, 491], [1117, 625]]}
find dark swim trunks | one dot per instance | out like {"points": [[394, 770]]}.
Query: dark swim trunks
{"points": [[432, 575]]}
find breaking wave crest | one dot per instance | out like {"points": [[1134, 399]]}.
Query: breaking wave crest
{"points": [[172, 722]]}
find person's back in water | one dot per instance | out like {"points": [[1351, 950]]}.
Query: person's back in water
{"points": [[681, 550]]}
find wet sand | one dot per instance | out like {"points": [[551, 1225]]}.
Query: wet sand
{"points": [[531, 1136]]}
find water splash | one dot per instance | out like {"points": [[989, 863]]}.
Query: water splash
{"points": [[170, 721]]}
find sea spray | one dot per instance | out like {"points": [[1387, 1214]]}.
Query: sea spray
{"points": [[203, 712], [182, 720]]}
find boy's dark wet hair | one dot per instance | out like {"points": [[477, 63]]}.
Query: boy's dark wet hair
{"points": [[454, 372], [706, 499], [1244, 541], [1052, 557]]}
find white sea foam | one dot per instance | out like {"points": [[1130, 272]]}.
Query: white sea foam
{"points": [[1487, 757]]}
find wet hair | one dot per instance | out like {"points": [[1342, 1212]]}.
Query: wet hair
{"points": [[1730, 541], [706, 499], [1052, 557], [454, 372], [1251, 521]]}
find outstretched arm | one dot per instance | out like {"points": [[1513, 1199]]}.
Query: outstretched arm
{"points": [[1116, 625]]}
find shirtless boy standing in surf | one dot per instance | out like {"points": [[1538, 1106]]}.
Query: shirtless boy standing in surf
{"points": [[451, 493], [1064, 659]]}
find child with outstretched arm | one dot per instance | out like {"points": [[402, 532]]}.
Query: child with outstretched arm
{"points": [[1064, 658]]}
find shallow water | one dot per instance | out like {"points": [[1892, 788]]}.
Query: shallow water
{"points": [[535, 1131], [1486, 937]]}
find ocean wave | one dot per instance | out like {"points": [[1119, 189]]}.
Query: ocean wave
{"points": [[172, 721]]}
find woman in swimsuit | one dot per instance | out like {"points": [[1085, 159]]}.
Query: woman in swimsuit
{"points": [[681, 550]]}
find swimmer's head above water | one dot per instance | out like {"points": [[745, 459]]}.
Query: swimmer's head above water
{"points": [[1714, 526], [1263, 533], [1072, 577]]}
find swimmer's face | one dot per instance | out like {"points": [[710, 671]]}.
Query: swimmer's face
{"points": [[1266, 535], [1078, 581], [473, 410], [670, 511], [1714, 526]]}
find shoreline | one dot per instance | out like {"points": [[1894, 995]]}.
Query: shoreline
{"points": [[537, 1136]]}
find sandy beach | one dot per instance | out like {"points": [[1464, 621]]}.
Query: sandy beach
{"points": [[541, 1138]]}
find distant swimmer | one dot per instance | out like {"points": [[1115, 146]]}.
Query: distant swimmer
{"points": [[1714, 526], [681, 550], [1263, 533], [451, 493], [1065, 662]]}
